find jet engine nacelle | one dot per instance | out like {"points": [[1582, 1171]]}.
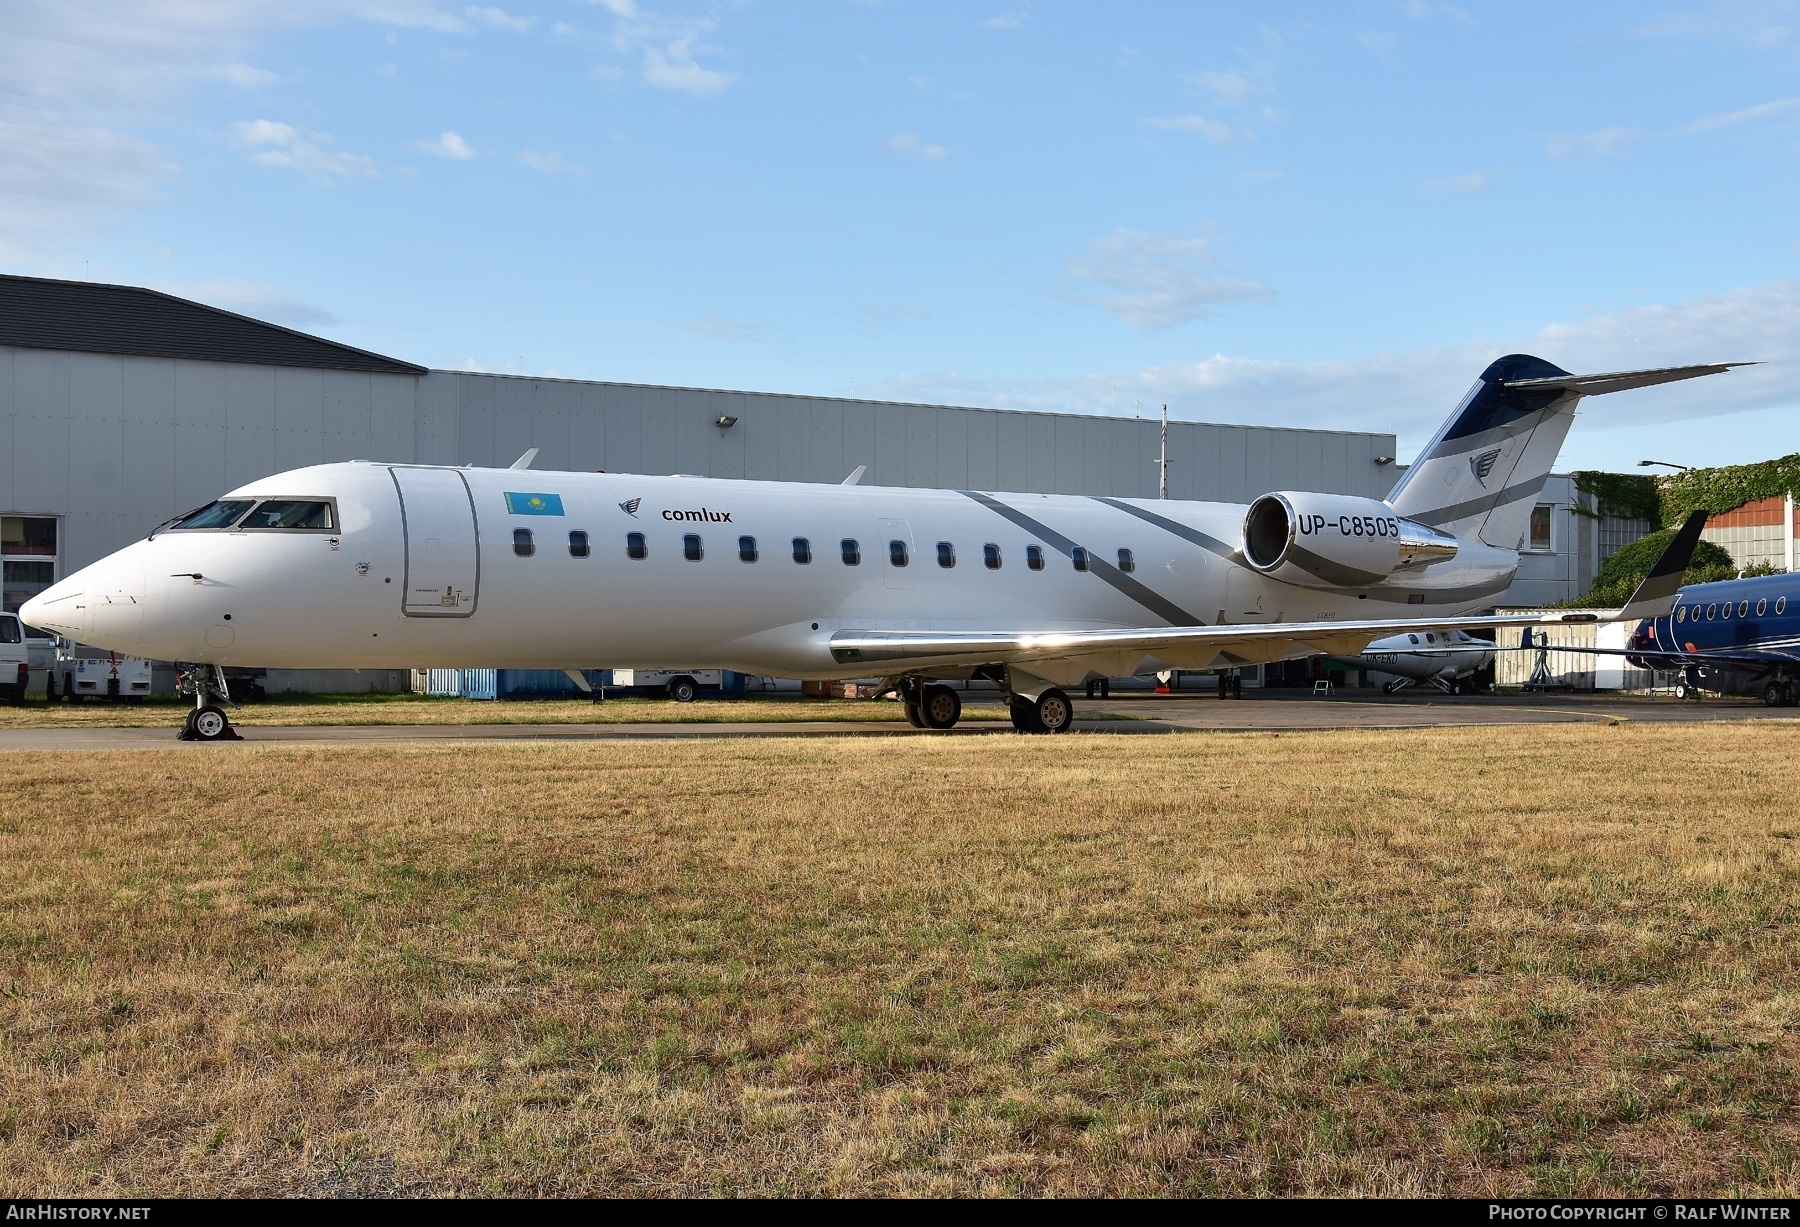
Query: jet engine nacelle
{"points": [[1336, 540]]}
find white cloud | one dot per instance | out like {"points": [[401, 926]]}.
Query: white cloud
{"points": [[1416, 389], [499, 19], [1231, 88], [1766, 110], [1605, 143], [1155, 281], [1461, 184], [619, 8], [254, 298], [1005, 21], [672, 66], [406, 14], [551, 164], [246, 77], [906, 145], [1212, 131], [277, 144], [447, 145]]}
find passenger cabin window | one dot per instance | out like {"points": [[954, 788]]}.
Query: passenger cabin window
{"points": [[746, 549], [990, 556], [1781, 604], [522, 544], [1540, 528], [690, 547], [222, 514], [1681, 614], [850, 551], [1414, 638], [290, 513], [578, 545], [1762, 606], [1127, 563], [897, 553], [1034, 557], [634, 546], [946, 555], [1079, 557], [1743, 609], [802, 551], [1709, 612]]}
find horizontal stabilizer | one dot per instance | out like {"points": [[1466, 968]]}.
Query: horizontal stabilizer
{"points": [[1621, 381]]}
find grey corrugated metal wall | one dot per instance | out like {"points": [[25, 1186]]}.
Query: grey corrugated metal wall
{"points": [[115, 444]]}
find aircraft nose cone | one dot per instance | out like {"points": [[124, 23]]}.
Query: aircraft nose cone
{"points": [[61, 608]]}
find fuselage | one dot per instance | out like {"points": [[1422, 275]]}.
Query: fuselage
{"points": [[1428, 655], [1741, 616], [416, 566]]}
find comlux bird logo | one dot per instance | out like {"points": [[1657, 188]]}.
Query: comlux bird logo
{"points": [[630, 506], [1483, 464]]}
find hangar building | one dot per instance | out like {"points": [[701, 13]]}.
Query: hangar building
{"points": [[121, 406]]}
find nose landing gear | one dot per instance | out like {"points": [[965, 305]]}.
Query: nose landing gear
{"points": [[207, 721]]}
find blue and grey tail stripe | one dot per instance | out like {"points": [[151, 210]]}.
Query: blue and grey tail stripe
{"points": [[1144, 595], [1436, 516], [1193, 535]]}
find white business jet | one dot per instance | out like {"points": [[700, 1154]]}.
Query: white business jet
{"points": [[371, 565], [1444, 659]]}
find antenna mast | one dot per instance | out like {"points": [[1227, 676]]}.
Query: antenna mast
{"points": [[1162, 460]]}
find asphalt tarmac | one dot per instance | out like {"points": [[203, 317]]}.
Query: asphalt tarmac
{"points": [[1135, 714]]}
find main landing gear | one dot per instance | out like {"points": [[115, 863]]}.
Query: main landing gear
{"points": [[207, 721], [1780, 692], [929, 707], [1231, 685], [1050, 712]]}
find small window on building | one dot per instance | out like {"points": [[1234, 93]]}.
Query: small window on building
{"points": [[1079, 557], [578, 545], [850, 551], [897, 554], [1034, 557], [1540, 528], [690, 547], [802, 551], [1762, 606], [990, 556], [1781, 604], [522, 544], [1127, 563], [946, 555], [746, 549], [634, 546]]}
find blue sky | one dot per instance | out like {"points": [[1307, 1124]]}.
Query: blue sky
{"points": [[1313, 214]]}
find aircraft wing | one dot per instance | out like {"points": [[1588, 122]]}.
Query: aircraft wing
{"points": [[1748, 660]]}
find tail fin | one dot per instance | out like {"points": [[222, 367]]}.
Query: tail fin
{"points": [[1480, 477]]}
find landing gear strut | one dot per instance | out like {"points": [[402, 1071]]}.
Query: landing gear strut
{"points": [[207, 721], [1050, 712], [1231, 684], [929, 707]]}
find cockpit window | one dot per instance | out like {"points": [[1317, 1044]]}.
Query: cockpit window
{"points": [[290, 513], [222, 514]]}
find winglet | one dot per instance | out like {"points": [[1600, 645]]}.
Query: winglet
{"points": [[524, 462], [1655, 597], [856, 476]]}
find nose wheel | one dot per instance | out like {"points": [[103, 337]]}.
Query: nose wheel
{"points": [[207, 721]]}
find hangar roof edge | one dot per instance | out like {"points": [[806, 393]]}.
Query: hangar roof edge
{"points": [[95, 317]]}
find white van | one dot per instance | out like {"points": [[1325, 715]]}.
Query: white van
{"points": [[15, 660]]}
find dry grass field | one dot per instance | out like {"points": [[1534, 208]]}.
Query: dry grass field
{"points": [[1552, 960], [361, 709]]}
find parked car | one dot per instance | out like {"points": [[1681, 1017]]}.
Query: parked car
{"points": [[15, 660]]}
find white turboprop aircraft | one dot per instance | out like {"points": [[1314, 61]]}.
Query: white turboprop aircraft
{"points": [[371, 565]]}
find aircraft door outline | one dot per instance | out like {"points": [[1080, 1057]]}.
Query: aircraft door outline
{"points": [[441, 539]]}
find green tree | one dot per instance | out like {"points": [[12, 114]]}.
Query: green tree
{"points": [[1624, 571]]}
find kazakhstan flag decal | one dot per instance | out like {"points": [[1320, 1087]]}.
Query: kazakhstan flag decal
{"points": [[534, 504]]}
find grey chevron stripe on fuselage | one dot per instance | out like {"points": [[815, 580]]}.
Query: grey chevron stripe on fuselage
{"points": [[1144, 595], [1194, 535]]}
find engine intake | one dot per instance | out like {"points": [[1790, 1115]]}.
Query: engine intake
{"points": [[1336, 541]]}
